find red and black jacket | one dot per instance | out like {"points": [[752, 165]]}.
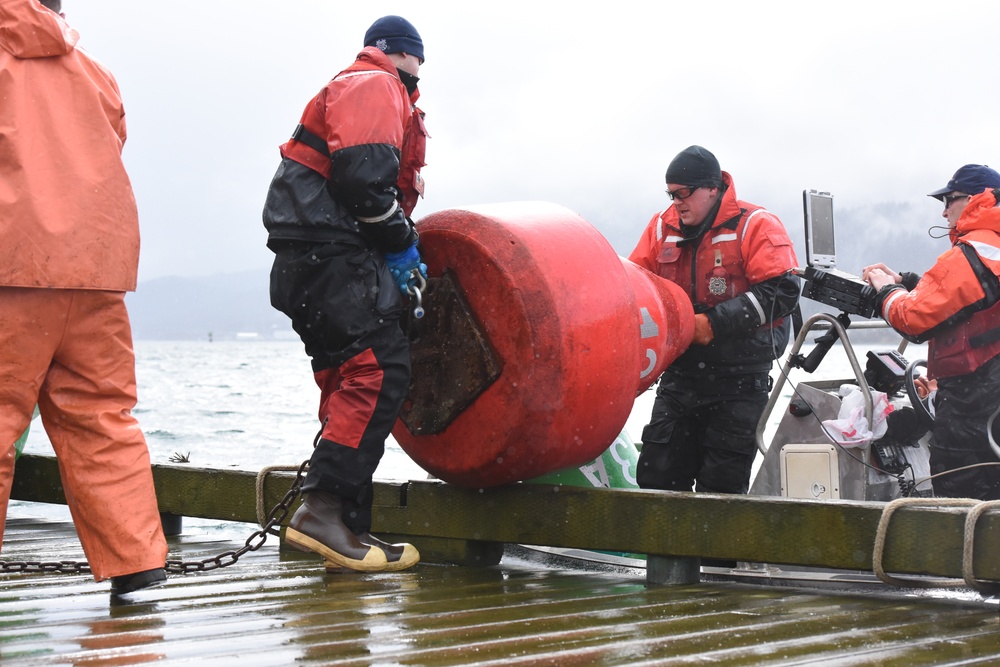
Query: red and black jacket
{"points": [[737, 272], [352, 167]]}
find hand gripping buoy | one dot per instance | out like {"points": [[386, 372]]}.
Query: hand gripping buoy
{"points": [[537, 338]]}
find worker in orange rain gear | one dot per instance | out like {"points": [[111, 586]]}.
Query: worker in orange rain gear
{"points": [[69, 250], [955, 307]]}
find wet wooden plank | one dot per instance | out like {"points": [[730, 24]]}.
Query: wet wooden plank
{"points": [[276, 607]]}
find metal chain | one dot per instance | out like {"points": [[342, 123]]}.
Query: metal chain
{"points": [[253, 543], [33, 566]]}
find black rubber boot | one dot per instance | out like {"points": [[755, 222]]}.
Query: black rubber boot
{"points": [[127, 583]]}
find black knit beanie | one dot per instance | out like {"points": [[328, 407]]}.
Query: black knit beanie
{"points": [[695, 167]]}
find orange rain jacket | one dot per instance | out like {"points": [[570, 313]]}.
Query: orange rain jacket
{"points": [[956, 304], [68, 218]]}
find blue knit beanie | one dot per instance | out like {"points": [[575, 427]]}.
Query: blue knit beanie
{"points": [[394, 34]]}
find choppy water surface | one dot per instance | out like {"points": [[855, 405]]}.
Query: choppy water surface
{"points": [[250, 404]]}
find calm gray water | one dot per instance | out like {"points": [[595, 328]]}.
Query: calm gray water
{"points": [[250, 404]]}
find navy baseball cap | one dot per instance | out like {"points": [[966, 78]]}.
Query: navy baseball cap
{"points": [[970, 180]]}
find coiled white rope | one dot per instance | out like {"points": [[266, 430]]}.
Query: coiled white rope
{"points": [[977, 508]]}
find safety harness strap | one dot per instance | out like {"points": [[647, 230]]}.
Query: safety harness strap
{"points": [[311, 140]]}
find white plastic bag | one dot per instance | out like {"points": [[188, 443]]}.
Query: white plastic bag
{"points": [[851, 428]]}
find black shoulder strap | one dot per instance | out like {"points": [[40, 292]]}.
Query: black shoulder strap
{"points": [[988, 279], [311, 140]]}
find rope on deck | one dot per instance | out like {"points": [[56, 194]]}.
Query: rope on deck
{"points": [[261, 477], [970, 534], [977, 509]]}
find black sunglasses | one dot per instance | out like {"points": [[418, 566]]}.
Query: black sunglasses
{"points": [[682, 193], [951, 199]]}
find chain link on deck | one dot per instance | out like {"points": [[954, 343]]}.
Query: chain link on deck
{"points": [[33, 566], [253, 543]]}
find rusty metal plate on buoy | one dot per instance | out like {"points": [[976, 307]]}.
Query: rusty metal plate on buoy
{"points": [[452, 361]]}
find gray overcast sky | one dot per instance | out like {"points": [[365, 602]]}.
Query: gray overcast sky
{"points": [[876, 101]]}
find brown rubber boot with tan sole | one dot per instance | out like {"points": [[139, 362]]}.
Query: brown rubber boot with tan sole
{"points": [[399, 556], [317, 526]]}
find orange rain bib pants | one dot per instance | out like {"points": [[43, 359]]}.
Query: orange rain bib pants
{"points": [[71, 352]]}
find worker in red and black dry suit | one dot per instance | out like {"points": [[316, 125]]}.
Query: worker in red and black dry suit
{"points": [[734, 259], [955, 307], [337, 215], [69, 250]]}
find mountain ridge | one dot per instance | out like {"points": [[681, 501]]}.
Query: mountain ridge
{"points": [[237, 305]]}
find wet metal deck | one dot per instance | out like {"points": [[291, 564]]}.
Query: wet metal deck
{"points": [[278, 608]]}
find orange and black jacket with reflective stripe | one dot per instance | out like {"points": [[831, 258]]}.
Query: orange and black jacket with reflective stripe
{"points": [[737, 272], [955, 306]]}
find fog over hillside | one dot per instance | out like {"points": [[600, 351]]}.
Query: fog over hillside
{"points": [[216, 307], [226, 306]]}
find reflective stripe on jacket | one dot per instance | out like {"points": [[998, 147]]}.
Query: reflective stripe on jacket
{"points": [[68, 216]]}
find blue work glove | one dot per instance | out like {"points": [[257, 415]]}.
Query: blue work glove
{"points": [[402, 264]]}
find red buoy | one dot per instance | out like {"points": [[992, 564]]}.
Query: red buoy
{"points": [[536, 340]]}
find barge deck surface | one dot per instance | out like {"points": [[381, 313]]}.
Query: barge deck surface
{"points": [[277, 607]]}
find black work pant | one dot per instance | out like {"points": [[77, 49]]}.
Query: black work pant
{"points": [[345, 307], [702, 433], [963, 406]]}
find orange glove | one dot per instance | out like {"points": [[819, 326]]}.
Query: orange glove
{"points": [[703, 333]]}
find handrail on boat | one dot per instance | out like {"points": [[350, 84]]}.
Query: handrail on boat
{"points": [[830, 322]]}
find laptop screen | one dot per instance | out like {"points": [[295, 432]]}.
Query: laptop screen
{"points": [[821, 251]]}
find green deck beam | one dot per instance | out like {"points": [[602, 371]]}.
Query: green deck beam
{"points": [[834, 534]]}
